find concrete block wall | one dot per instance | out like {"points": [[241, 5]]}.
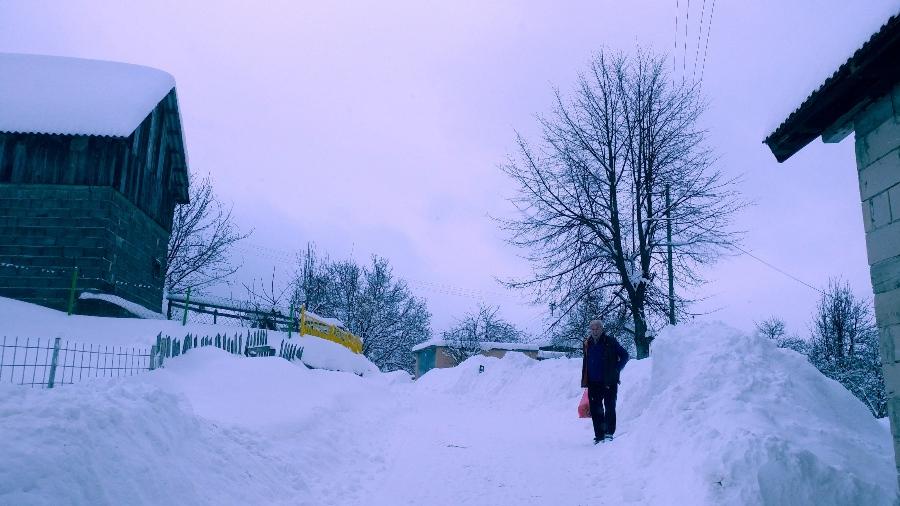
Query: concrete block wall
{"points": [[48, 230], [878, 164]]}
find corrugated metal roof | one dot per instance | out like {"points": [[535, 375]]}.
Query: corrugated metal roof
{"points": [[857, 79]]}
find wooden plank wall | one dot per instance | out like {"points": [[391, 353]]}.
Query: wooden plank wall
{"points": [[148, 167]]}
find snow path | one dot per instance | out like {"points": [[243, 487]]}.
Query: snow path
{"points": [[445, 450]]}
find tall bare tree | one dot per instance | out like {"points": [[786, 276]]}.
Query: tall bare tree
{"points": [[591, 199], [573, 328], [203, 232]]}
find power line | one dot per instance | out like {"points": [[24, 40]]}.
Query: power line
{"points": [[699, 38], [706, 49], [288, 258], [687, 22], [751, 255], [675, 52]]}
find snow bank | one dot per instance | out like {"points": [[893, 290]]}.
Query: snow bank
{"points": [[22, 319], [210, 428], [57, 95], [127, 442], [715, 417], [25, 320], [324, 354]]}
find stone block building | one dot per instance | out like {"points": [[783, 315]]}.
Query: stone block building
{"points": [[863, 96], [92, 165]]}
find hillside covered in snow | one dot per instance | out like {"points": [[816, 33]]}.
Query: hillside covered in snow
{"points": [[714, 417]]}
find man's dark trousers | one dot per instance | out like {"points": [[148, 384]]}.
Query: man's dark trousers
{"points": [[602, 396]]}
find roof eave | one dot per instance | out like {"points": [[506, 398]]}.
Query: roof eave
{"points": [[864, 77]]}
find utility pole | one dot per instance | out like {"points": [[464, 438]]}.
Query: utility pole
{"points": [[669, 262]]}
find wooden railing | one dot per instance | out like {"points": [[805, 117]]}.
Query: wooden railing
{"points": [[312, 325]]}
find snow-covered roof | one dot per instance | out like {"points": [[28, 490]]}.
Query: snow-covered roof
{"points": [[132, 307], [550, 354], [326, 320], [486, 346], [59, 95]]}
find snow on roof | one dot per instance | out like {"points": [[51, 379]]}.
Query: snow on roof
{"points": [[326, 320], [59, 95], [486, 346], [132, 307]]}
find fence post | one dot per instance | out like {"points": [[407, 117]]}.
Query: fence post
{"points": [[169, 309], [215, 315], [301, 332], [52, 377], [160, 351], [291, 321], [187, 300], [72, 290], [153, 357]]}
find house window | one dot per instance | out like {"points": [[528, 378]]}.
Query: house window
{"points": [[156, 269]]}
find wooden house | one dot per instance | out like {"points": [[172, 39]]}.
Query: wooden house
{"points": [[92, 165]]}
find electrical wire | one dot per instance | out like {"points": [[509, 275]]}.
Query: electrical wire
{"points": [[699, 38], [706, 49], [687, 22], [675, 52]]}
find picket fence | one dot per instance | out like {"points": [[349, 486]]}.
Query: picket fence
{"points": [[46, 363]]}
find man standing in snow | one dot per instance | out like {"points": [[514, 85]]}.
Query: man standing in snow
{"points": [[603, 360]]}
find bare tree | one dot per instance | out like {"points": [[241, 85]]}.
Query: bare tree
{"points": [[371, 303], [845, 345], [267, 300], [203, 232], [591, 200], [484, 325], [775, 329], [311, 283], [573, 327], [391, 320], [772, 328]]}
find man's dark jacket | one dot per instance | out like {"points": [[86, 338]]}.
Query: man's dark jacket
{"points": [[613, 358]]}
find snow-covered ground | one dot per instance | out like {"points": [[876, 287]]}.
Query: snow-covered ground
{"points": [[29, 321], [715, 417]]}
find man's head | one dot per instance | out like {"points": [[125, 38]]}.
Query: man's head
{"points": [[596, 329]]}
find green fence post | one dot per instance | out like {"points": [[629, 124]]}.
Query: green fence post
{"points": [[72, 290], [187, 300]]}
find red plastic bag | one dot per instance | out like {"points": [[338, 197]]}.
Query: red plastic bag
{"points": [[584, 407]]}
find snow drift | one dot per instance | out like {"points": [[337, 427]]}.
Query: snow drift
{"points": [[714, 417], [209, 429], [25, 320]]}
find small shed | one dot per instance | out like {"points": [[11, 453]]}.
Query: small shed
{"points": [[863, 96], [92, 165], [435, 354]]}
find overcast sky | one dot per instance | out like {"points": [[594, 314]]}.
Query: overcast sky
{"points": [[377, 127]]}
